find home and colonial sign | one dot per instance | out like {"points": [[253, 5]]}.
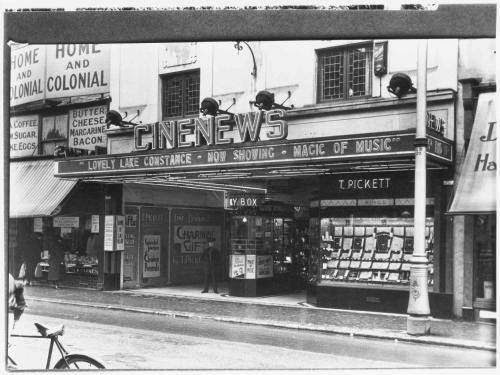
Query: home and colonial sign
{"points": [[55, 71], [27, 74], [77, 69]]}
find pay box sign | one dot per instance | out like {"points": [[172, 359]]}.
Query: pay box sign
{"points": [[234, 201]]}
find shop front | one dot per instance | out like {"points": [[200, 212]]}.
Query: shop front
{"points": [[303, 199], [475, 197]]}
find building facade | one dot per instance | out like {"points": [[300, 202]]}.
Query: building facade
{"points": [[296, 157]]}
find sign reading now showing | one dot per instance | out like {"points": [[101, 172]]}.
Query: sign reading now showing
{"points": [[55, 71], [23, 135], [87, 127]]}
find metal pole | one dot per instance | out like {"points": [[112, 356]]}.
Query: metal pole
{"points": [[418, 322]]}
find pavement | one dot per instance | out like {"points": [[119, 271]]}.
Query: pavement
{"points": [[285, 311]]}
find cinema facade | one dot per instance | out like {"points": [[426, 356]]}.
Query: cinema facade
{"points": [[332, 214], [315, 193]]}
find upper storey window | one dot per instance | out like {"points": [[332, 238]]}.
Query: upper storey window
{"points": [[344, 73], [181, 94]]}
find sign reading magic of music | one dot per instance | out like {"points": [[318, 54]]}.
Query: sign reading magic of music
{"points": [[266, 153]]}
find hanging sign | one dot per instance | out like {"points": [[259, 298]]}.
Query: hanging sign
{"points": [[94, 226], [151, 264], [108, 232], [66, 222], [476, 190], [38, 225], [234, 201], [24, 135]]}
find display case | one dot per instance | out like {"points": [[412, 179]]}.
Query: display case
{"points": [[370, 250]]}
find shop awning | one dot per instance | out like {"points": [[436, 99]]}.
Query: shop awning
{"points": [[476, 188], [34, 191]]}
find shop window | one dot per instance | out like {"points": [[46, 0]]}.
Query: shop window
{"points": [[181, 94], [485, 255], [344, 73], [54, 133], [370, 250]]}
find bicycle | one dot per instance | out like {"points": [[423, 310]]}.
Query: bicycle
{"points": [[68, 360]]}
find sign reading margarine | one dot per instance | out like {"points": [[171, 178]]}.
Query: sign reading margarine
{"points": [[77, 69], [87, 127]]}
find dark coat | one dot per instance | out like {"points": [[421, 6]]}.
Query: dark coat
{"points": [[210, 256]]}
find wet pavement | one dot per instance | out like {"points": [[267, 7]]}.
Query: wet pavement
{"points": [[278, 312]]}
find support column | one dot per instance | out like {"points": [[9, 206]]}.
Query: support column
{"points": [[418, 321]]}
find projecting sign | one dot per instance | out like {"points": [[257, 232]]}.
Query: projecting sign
{"points": [[66, 222], [266, 153], [23, 135]]}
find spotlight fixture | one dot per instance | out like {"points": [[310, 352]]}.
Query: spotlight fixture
{"points": [[114, 118], [265, 100], [210, 106], [400, 85]]}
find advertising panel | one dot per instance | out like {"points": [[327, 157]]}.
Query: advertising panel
{"points": [[27, 74], [237, 267], [154, 235], [66, 222], [250, 266], [191, 231], [87, 127], [130, 255], [24, 135], [264, 266], [109, 222], [77, 69], [152, 250]]}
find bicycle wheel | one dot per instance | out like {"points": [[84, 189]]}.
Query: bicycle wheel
{"points": [[78, 362]]}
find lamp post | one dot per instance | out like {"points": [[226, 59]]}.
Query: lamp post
{"points": [[418, 321]]}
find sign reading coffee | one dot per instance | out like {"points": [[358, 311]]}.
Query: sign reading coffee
{"points": [[23, 135]]}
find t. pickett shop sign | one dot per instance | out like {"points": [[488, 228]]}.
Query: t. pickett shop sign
{"points": [[265, 153]]}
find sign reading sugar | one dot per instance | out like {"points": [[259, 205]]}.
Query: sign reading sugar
{"points": [[77, 69], [23, 135], [87, 127]]}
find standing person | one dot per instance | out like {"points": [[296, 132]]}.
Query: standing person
{"points": [[210, 259], [56, 256]]}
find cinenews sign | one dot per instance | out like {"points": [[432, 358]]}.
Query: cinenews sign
{"points": [[266, 153]]}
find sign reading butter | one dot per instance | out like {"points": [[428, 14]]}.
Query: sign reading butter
{"points": [[27, 74], [77, 69], [87, 127], [23, 135]]}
